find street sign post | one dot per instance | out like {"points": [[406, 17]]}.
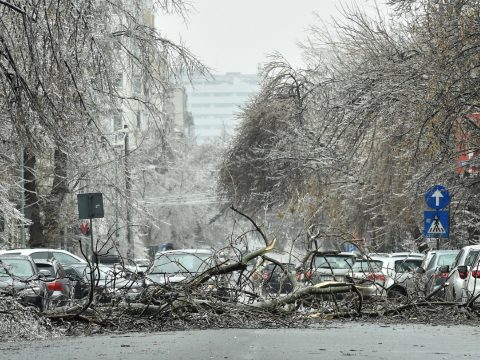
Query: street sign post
{"points": [[437, 197], [436, 224], [90, 206]]}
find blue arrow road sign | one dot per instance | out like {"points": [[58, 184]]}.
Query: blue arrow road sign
{"points": [[437, 197], [435, 224]]}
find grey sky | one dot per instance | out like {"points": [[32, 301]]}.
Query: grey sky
{"points": [[237, 35]]}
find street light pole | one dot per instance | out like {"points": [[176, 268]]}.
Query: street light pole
{"points": [[128, 190]]}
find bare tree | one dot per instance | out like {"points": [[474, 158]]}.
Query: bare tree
{"points": [[60, 69]]}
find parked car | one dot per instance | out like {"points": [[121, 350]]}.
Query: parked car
{"points": [[368, 278], [60, 287], [118, 263], [430, 278], [109, 284], [63, 256], [276, 280], [326, 266], [399, 271], [81, 286], [20, 277], [142, 265], [463, 284], [174, 266]]}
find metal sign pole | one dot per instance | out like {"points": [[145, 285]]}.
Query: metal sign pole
{"points": [[92, 251]]}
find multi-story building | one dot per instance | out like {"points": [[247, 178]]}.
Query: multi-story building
{"points": [[467, 145], [215, 103]]}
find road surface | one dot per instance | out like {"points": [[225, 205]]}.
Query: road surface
{"points": [[333, 341]]}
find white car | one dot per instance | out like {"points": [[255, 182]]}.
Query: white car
{"points": [[463, 283], [399, 271], [62, 256], [173, 266]]}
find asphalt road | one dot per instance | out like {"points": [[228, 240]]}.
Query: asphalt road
{"points": [[334, 341]]}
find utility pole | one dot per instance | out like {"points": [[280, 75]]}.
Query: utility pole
{"points": [[128, 191], [22, 197]]}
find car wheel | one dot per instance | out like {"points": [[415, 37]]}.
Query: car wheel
{"points": [[396, 293]]}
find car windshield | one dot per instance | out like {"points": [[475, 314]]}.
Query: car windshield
{"points": [[367, 266], [16, 267], [334, 261], [181, 263]]}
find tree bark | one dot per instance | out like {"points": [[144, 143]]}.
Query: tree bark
{"points": [[37, 238], [53, 206]]}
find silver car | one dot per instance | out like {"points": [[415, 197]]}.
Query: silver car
{"points": [[20, 278], [368, 278], [399, 271], [174, 266], [463, 284], [326, 266], [430, 277]]}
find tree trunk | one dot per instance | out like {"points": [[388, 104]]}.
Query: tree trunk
{"points": [[37, 238], [53, 225]]}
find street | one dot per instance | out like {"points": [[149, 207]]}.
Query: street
{"points": [[334, 341]]}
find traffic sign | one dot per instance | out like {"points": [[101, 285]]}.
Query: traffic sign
{"points": [[90, 205], [437, 197], [435, 224], [85, 228]]}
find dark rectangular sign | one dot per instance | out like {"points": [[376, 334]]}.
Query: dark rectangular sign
{"points": [[90, 206]]}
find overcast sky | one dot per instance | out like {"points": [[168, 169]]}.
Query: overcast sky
{"points": [[237, 35]]}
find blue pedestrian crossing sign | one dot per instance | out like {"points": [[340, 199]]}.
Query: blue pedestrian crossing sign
{"points": [[435, 224], [437, 197]]}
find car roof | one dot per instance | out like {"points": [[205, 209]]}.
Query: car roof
{"points": [[15, 256], [186, 251], [27, 251], [409, 254], [472, 247]]}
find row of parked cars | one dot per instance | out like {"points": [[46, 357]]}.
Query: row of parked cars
{"points": [[450, 274], [48, 278], [51, 277]]}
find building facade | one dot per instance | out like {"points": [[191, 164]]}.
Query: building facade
{"points": [[214, 103]]}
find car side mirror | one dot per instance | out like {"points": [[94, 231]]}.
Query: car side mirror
{"points": [[444, 269], [44, 273], [420, 270]]}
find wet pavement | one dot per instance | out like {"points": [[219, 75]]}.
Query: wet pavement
{"points": [[332, 341]]}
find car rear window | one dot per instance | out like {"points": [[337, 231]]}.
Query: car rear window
{"points": [[367, 266], [181, 263], [471, 257], [47, 267], [334, 262], [407, 265], [446, 259]]}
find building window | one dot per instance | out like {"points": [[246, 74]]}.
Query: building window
{"points": [[139, 119], [137, 85], [118, 80], [117, 121]]}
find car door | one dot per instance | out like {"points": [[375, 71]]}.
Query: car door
{"points": [[429, 271], [65, 280], [454, 281]]}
